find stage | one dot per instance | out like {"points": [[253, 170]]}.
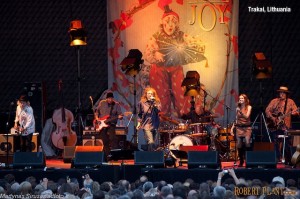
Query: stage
{"points": [[126, 169]]}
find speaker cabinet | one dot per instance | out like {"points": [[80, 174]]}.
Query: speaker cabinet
{"points": [[88, 149], [88, 159], [6, 146], [14, 142], [121, 141], [203, 159], [261, 159], [35, 93], [69, 153], [29, 160], [34, 142], [92, 142], [263, 146], [149, 158]]}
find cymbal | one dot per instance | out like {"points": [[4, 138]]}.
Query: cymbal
{"points": [[172, 131], [169, 119], [198, 135], [201, 123], [210, 116]]}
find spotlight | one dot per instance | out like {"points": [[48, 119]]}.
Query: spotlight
{"points": [[262, 68], [77, 34], [191, 83], [131, 63]]}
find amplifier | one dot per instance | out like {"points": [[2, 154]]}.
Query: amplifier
{"points": [[121, 130], [90, 132]]}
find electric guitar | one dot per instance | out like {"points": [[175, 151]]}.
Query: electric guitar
{"points": [[104, 121], [279, 122]]}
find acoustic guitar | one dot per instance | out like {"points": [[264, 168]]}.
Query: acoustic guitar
{"points": [[279, 122], [296, 157]]}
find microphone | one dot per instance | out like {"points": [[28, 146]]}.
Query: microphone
{"points": [[239, 104], [152, 98]]}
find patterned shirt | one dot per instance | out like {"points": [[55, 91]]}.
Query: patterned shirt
{"points": [[276, 108]]}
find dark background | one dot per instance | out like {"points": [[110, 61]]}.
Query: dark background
{"points": [[34, 48]]}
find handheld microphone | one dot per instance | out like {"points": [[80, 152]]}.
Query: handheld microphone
{"points": [[239, 104], [152, 98]]}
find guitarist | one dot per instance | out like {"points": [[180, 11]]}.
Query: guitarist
{"points": [[24, 123], [108, 112], [279, 112]]}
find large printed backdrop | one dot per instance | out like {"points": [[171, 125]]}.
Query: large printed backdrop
{"points": [[205, 40]]}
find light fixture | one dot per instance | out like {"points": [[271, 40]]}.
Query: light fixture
{"points": [[77, 34], [191, 83], [131, 64], [262, 68]]}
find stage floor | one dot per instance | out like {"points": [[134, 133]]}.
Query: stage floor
{"points": [[115, 170]]}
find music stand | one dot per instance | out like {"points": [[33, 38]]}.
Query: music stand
{"points": [[261, 69]]}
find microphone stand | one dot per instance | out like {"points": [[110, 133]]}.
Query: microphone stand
{"points": [[227, 154], [144, 120], [7, 137]]}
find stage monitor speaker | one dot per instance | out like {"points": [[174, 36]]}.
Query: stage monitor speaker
{"points": [[69, 153], [29, 160], [203, 159], [150, 159], [88, 149], [88, 159], [261, 159]]}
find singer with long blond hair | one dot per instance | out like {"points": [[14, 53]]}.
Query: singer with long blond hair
{"points": [[148, 108], [243, 126]]}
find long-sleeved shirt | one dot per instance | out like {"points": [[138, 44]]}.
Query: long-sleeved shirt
{"points": [[276, 108], [112, 110], [148, 114], [26, 120]]}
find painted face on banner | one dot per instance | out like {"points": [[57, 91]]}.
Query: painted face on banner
{"points": [[170, 23]]}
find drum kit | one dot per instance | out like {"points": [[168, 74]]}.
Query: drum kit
{"points": [[174, 134]]}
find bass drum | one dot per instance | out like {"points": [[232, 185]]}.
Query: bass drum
{"points": [[177, 142]]}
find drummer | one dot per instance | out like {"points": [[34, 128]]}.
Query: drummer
{"points": [[200, 115]]}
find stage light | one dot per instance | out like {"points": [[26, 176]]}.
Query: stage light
{"points": [[262, 68], [77, 34], [191, 83], [131, 64]]}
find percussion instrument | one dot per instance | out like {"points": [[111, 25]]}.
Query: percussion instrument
{"points": [[182, 126], [180, 140], [177, 142], [223, 132]]}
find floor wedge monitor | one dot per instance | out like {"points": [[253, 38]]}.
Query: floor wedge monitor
{"points": [[151, 159], [203, 159], [29, 160], [261, 159]]}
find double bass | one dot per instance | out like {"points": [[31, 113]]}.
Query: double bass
{"points": [[63, 118]]}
